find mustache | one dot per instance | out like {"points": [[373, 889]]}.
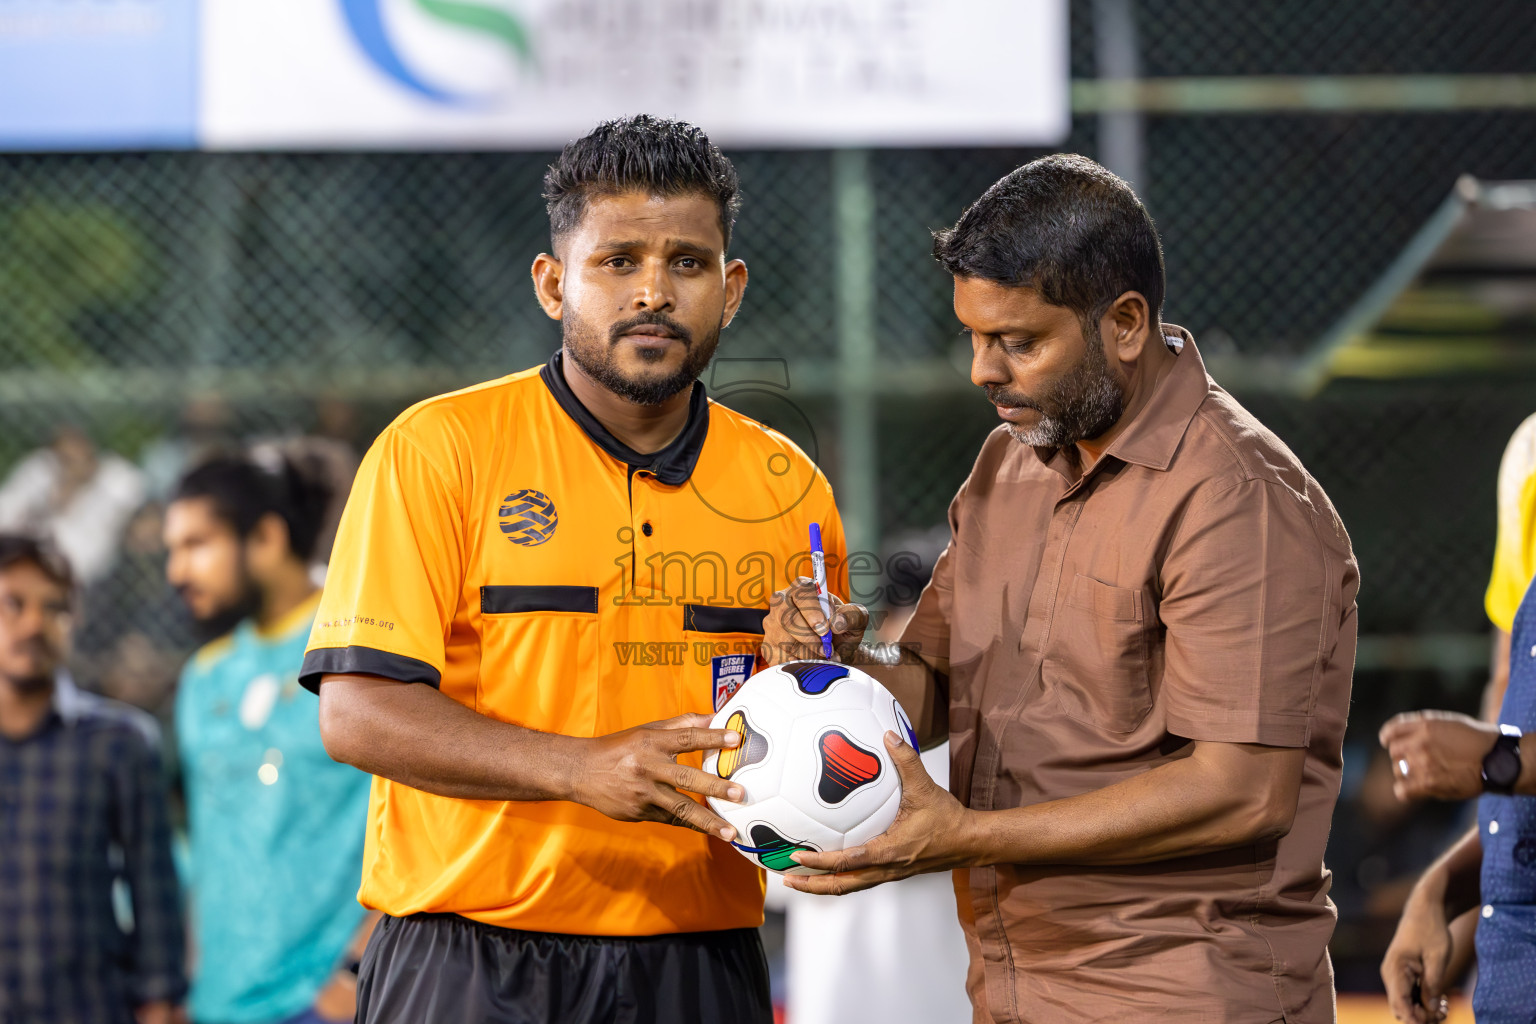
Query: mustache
{"points": [[674, 328], [35, 646], [999, 395]]}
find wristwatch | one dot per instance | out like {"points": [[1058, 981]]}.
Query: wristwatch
{"points": [[1501, 765]]}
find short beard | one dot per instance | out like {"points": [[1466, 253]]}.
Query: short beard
{"points": [[596, 359], [30, 686], [1080, 406], [227, 618]]}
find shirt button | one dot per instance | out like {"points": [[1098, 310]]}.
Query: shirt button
{"points": [[1533, 650], [1493, 828], [645, 528], [1487, 910]]}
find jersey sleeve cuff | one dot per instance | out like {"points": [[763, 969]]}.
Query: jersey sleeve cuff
{"points": [[367, 661]]}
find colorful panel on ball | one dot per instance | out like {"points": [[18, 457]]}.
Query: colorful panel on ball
{"points": [[753, 747], [772, 850], [845, 766], [906, 725], [815, 677]]}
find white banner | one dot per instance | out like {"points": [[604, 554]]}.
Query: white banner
{"points": [[537, 73]]}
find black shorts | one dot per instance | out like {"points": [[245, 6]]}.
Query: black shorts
{"points": [[447, 969]]}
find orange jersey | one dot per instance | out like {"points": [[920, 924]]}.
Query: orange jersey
{"points": [[501, 545]]}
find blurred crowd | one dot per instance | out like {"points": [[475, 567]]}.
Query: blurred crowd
{"points": [[178, 844], [105, 513]]}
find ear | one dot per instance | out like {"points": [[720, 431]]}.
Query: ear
{"points": [[549, 284], [735, 289], [1126, 326]]}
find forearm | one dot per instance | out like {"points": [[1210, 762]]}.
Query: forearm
{"points": [[414, 735], [1186, 807], [1454, 880], [914, 682]]}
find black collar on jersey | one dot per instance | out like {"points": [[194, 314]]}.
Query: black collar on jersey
{"points": [[673, 465]]}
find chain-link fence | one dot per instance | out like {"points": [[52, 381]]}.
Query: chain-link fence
{"points": [[160, 300]]}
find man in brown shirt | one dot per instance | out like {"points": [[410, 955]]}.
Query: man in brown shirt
{"points": [[1139, 641]]}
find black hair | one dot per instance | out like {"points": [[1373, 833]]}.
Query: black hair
{"points": [[641, 153], [243, 489], [16, 548], [1065, 226]]}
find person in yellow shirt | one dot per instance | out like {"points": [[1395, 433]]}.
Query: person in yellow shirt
{"points": [[541, 587], [1514, 554]]}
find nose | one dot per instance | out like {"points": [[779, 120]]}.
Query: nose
{"points": [[653, 288], [987, 363]]}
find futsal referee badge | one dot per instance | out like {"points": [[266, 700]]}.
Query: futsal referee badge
{"points": [[729, 671], [528, 517]]}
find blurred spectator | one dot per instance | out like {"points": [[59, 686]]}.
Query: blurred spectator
{"points": [[276, 826], [205, 428], [1446, 756], [79, 497], [81, 808], [134, 633]]}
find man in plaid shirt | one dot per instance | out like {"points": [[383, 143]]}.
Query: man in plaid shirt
{"points": [[82, 804]]}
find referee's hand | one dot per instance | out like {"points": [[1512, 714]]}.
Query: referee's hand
{"points": [[634, 775], [793, 627]]}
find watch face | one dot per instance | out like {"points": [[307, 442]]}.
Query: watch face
{"points": [[1502, 766]]}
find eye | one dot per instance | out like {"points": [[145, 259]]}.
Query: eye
{"points": [[618, 262], [1018, 344], [689, 263]]}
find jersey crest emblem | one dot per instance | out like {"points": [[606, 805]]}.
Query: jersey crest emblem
{"points": [[528, 517]]}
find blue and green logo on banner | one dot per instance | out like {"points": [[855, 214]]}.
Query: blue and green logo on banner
{"points": [[366, 20]]}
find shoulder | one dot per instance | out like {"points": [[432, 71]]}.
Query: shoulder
{"points": [[761, 444], [1519, 461], [464, 415], [726, 424], [103, 716], [207, 657], [1226, 445]]}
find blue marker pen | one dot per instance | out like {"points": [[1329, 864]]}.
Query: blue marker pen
{"points": [[819, 574]]}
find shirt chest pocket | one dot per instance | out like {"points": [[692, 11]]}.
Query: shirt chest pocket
{"points": [[723, 645], [1096, 661], [539, 657]]}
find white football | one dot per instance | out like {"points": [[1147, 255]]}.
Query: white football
{"points": [[812, 761]]}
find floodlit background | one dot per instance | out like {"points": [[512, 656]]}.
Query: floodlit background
{"points": [[1338, 188]]}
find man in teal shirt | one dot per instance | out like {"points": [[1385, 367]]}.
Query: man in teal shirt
{"points": [[276, 826]]}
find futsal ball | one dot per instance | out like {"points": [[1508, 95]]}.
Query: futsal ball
{"points": [[812, 762]]}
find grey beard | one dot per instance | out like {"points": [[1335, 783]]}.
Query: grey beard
{"points": [[1089, 415], [1090, 400]]}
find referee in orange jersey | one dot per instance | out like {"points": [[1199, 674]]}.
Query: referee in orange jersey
{"points": [[541, 588]]}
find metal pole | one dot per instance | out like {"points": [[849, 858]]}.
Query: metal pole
{"points": [[858, 492], [1121, 132]]}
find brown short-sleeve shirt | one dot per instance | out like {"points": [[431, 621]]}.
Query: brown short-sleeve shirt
{"points": [[1194, 584]]}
